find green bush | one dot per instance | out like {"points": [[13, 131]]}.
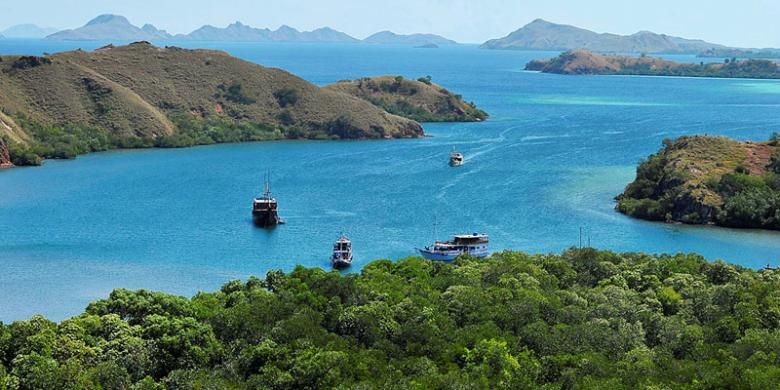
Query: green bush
{"points": [[234, 93], [286, 97]]}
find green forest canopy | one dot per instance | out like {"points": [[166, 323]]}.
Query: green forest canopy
{"points": [[582, 319]]}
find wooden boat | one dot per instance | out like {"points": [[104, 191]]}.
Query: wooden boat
{"points": [[265, 207], [462, 244]]}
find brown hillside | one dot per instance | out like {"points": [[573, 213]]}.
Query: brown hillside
{"points": [[144, 91], [419, 100]]}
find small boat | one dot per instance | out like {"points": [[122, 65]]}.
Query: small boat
{"points": [[462, 244], [342, 252], [264, 208], [456, 158]]}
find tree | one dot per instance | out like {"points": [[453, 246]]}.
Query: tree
{"points": [[491, 365], [426, 80]]}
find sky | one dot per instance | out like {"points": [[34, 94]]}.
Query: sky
{"points": [[746, 23]]}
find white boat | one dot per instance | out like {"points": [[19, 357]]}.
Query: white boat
{"points": [[456, 158], [342, 252], [462, 244]]}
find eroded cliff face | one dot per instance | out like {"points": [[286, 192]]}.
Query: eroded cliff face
{"points": [[5, 155]]}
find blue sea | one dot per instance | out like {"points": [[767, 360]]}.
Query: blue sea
{"points": [[550, 160]]}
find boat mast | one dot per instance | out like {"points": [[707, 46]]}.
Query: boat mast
{"points": [[434, 229], [267, 185]]}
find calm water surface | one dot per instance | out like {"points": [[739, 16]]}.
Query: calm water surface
{"points": [[550, 160]]}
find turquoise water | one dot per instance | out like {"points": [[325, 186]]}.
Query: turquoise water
{"points": [[550, 160]]}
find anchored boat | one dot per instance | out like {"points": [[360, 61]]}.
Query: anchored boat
{"points": [[462, 244], [342, 252], [264, 208], [456, 158]]}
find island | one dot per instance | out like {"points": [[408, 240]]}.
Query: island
{"points": [[740, 53], [584, 62], [389, 37], [140, 95], [27, 31], [420, 100], [708, 180], [543, 35], [583, 319]]}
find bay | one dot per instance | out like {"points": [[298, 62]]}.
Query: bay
{"points": [[554, 153]]}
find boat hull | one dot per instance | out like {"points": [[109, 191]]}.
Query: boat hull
{"points": [[265, 218], [341, 264], [450, 255]]}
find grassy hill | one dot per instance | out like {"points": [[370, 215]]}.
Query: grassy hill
{"points": [[584, 319], [713, 180], [419, 100], [584, 62], [142, 96]]}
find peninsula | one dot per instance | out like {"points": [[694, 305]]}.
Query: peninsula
{"points": [[139, 95], [708, 180], [420, 100], [584, 62]]}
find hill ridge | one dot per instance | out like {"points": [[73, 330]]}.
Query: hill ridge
{"points": [[140, 95], [543, 35]]}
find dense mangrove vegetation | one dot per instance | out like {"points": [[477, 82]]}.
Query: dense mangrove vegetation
{"points": [[582, 319]]}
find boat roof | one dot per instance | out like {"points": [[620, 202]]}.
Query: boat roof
{"points": [[343, 239], [474, 235]]}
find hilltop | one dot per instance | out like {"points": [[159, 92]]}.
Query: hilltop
{"points": [[708, 180], [111, 27], [389, 37], [543, 35], [141, 95], [419, 100], [584, 62]]}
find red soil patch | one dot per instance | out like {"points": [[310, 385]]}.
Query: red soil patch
{"points": [[758, 158]]}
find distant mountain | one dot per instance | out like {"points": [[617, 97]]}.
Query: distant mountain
{"points": [[111, 27], [27, 31], [241, 32], [389, 37], [118, 28], [543, 35]]}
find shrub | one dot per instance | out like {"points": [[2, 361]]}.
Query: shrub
{"points": [[286, 97], [426, 80], [234, 93]]}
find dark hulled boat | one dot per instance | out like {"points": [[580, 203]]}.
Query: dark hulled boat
{"points": [[264, 208]]}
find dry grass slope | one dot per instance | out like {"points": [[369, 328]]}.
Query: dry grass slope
{"points": [[696, 179], [145, 92], [419, 100]]}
